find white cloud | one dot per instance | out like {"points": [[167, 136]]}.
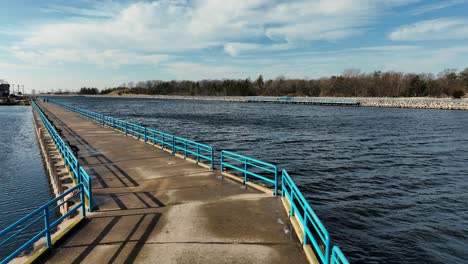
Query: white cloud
{"points": [[318, 64], [235, 48], [389, 48], [174, 26], [294, 65], [99, 10], [436, 6], [198, 71], [436, 29], [400, 2], [101, 58], [187, 39]]}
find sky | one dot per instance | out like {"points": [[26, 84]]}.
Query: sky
{"points": [[51, 44]]}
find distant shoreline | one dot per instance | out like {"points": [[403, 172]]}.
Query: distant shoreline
{"points": [[386, 102]]}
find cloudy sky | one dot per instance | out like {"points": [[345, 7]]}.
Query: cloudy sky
{"points": [[54, 44]]}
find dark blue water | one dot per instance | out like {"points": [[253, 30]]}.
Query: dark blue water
{"points": [[24, 185], [390, 185]]}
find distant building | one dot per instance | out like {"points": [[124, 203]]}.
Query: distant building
{"points": [[4, 89]]}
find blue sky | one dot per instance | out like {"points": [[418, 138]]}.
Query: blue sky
{"points": [[56, 44]]}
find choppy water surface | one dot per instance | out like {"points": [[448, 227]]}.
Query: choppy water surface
{"points": [[23, 182], [390, 185]]}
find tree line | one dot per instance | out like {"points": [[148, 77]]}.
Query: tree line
{"points": [[89, 91], [351, 83]]}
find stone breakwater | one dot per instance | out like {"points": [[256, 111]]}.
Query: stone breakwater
{"points": [[406, 102], [419, 103]]}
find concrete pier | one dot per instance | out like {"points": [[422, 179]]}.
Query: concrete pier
{"points": [[153, 207], [60, 179]]}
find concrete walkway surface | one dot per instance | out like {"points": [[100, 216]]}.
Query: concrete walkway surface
{"points": [[152, 207]]}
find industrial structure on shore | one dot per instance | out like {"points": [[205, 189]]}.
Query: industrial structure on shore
{"points": [[8, 96], [4, 89]]}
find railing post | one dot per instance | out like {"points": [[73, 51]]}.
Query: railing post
{"points": [[212, 159], [276, 181], [173, 145], [90, 198], [304, 240], [78, 173], [46, 226], [185, 149], [327, 252], [146, 135], [282, 183], [126, 125], [245, 170], [83, 207], [291, 202], [221, 161], [198, 153]]}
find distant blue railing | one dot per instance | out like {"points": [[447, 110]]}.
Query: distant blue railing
{"points": [[250, 167], [304, 100], [177, 145], [79, 174], [43, 213], [338, 256]]}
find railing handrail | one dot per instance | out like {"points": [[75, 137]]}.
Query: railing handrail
{"points": [[271, 168], [42, 212], [248, 158], [145, 132], [338, 257], [160, 132], [319, 228], [301, 197], [24, 218], [193, 142], [67, 153]]}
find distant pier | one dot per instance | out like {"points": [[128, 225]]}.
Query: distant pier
{"points": [[304, 100]]}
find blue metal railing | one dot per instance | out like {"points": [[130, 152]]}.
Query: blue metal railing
{"points": [[79, 174], [164, 140], [192, 148], [250, 167], [315, 233], [338, 256], [43, 213], [177, 145]]}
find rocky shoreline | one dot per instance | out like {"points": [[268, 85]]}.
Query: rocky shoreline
{"points": [[417, 103]]}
